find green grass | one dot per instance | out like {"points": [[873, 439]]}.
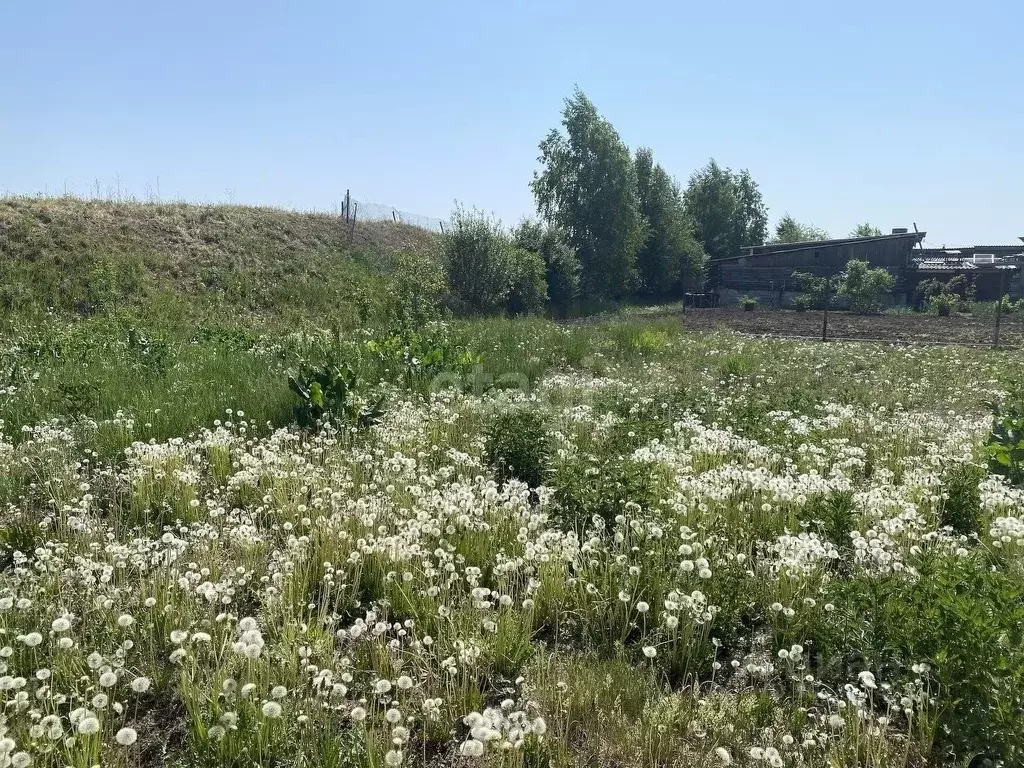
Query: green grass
{"points": [[734, 540], [82, 257]]}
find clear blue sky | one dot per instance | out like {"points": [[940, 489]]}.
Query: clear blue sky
{"points": [[893, 112]]}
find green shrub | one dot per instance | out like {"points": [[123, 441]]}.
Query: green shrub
{"points": [[562, 270], [561, 265], [517, 447], [943, 303], [802, 303], [819, 292], [527, 292], [962, 618], [330, 393], [1005, 445], [961, 504], [749, 303], [863, 287], [601, 486], [475, 253], [833, 518], [414, 290]]}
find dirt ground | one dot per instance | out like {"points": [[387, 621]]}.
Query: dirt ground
{"points": [[912, 328]]}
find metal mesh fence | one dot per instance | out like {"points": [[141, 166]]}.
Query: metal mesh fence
{"points": [[355, 210]]}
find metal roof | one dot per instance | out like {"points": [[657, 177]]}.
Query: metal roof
{"points": [[961, 266], [775, 249]]}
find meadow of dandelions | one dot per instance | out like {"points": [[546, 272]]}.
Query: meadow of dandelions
{"points": [[245, 596]]}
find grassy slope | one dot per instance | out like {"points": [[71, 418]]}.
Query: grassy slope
{"points": [[83, 256]]}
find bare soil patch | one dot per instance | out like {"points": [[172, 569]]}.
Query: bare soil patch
{"points": [[909, 328]]}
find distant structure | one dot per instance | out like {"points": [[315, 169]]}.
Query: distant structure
{"points": [[994, 270], [766, 271]]}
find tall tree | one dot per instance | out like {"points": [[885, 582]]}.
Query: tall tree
{"points": [[866, 230], [670, 256], [587, 189], [789, 230], [727, 210]]}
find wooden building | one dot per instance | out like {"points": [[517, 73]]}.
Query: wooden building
{"points": [[766, 271]]}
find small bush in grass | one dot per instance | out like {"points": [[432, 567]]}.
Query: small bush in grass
{"points": [[602, 487], [414, 291], [943, 303], [330, 393], [802, 303], [749, 303], [1005, 446], [517, 447], [961, 504]]}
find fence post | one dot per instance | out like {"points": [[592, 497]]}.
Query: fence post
{"points": [[999, 311], [824, 317], [354, 213]]}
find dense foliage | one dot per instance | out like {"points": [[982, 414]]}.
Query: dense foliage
{"points": [[503, 542], [670, 259], [727, 209], [789, 230], [863, 288]]}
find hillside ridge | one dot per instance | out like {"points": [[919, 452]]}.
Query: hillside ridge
{"points": [[73, 254]]}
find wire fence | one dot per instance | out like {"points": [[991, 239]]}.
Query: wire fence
{"points": [[361, 210]]}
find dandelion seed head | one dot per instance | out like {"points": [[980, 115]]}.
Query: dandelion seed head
{"points": [[126, 737]]}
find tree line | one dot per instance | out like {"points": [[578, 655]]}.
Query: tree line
{"points": [[612, 225]]}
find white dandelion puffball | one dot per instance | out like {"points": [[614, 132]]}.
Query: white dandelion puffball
{"points": [[60, 625], [271, 709], [278, 692], [393, 757], [723, 755], [867, 680], [21, 760], [471, 748], [650, 651], [140, 684], [125, 620], [88, 725], [404, 682], [358, 714], [108, 679], [126, 737]]}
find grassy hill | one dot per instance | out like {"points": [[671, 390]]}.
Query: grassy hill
{"points": [[85, 256]]}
